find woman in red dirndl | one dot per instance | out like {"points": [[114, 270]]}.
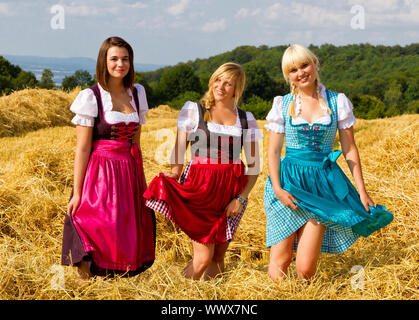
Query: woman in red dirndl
{"points": [[108, 229], [210, 199]]}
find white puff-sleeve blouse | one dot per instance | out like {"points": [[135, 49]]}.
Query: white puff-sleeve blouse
{"points": [[86, 109], [346, 118], [188, 121]]}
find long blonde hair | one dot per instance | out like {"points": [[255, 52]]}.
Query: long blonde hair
{"points": [[296, 55], [229, 70]]}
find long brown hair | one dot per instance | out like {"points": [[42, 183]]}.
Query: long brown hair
{"points": [[102, 74], [229, 70]]}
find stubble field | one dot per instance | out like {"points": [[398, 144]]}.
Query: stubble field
{"points": [[37, 145]]}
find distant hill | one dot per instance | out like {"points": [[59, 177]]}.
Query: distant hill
{"points": [[62, 67], [381, 81]]}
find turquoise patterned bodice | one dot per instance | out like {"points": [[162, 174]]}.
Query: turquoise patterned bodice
{"points": [[314, 137]]}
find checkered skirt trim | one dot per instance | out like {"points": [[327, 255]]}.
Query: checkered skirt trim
{"points": [[281, 222], [162, 206]]}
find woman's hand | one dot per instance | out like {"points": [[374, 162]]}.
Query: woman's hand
{"points": [[286, 198], [366, 201], [170, 174], [73, 205], [233, 208]]}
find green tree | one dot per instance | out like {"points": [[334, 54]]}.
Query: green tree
{"points": [[47, 81], [176, 80], [368, 107], [5, 84], [179, 101], [413, 107], [412, 91], [12, 77], [24, 80], [257, 106], [204, 80], [69, 83], [8, 69], [81, 78], [393, 98], [151, 98], [259, 83]]}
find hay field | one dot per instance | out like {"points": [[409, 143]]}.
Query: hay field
{"points": [[36, 159]]}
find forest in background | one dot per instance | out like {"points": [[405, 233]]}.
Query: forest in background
{"points": [[381, 81]]}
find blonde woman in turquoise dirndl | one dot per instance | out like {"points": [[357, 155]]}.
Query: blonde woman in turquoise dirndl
{"points": [[311, 206]]}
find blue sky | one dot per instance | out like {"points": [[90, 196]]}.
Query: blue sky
{"points": [[172, 31]]}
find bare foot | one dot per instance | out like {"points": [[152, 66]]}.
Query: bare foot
{"points": [[187, 272], [84, 271]]}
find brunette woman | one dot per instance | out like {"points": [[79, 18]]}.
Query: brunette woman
{"points": [[108, 229]]}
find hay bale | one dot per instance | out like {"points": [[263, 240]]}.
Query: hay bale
{"points": [[32, 109]]}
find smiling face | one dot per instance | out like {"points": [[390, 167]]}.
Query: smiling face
{"points": [[117, 62], [300, 66], [302, 75], [223, 89]]}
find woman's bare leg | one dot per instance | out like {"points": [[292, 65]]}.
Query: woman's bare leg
{"points": [[310, 239], [280, 258], [216, 266], [202, 257]]}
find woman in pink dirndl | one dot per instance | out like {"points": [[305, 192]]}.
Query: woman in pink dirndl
{"points": [[209, 201], [108, 229]]}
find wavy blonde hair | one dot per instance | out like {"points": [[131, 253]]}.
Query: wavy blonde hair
{"points": [[231, 71], [296, 55]]}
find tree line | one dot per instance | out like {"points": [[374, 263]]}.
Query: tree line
{"points": [[381, 81]]}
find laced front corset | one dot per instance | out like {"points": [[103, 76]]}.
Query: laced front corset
{"points": [[314, 137]]}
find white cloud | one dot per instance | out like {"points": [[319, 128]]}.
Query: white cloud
{"points": [[5, 9], [273, 12], [138, 5], [383, 13], [85, 11], [178, 8], [153, 23], [245, 12], [256, 12], [214, 26], [303, 14], [242, 13], [376, 5]]}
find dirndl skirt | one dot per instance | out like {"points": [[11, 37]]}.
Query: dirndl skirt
{"points": [[324, 193], [197, 204], [112, 229]]}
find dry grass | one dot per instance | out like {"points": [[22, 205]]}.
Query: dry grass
{"points": [[33, 109], [36, 180]]}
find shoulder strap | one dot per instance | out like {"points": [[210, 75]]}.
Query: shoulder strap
{"points": [[202, 110], [243, 122], [286, 100], [332, 100], [243, 119], [96, 92]]}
